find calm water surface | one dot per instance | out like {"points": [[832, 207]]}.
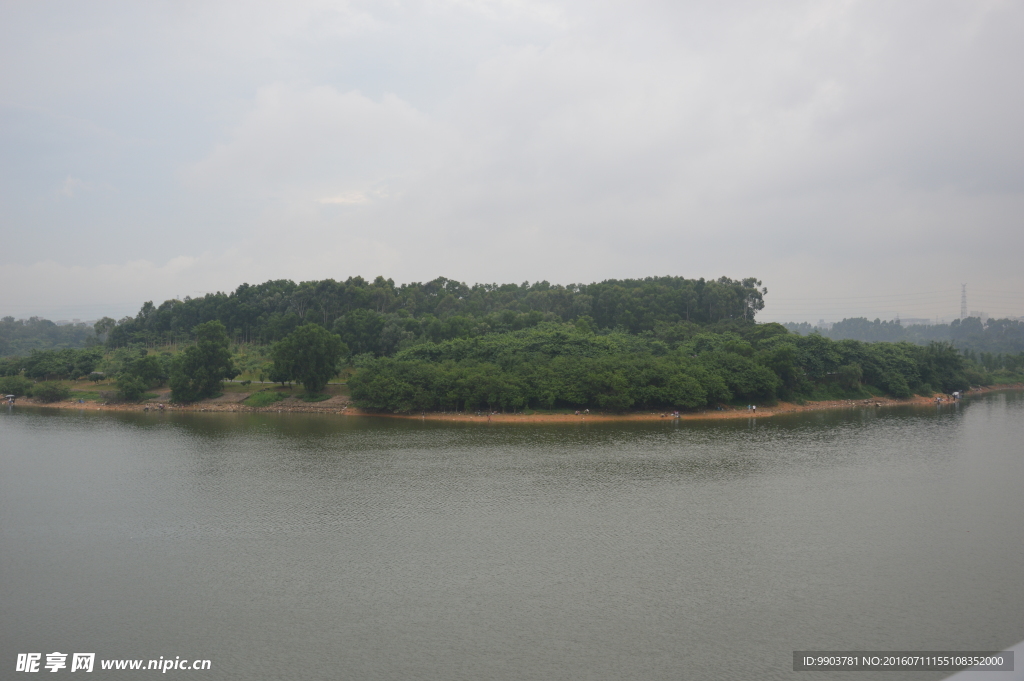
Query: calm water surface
{"points": [[311, 547]]}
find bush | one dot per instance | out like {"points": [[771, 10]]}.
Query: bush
{"points": [[15, 385], [51, 392], [130, 388]]}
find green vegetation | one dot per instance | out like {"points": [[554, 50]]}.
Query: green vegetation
{"points": [[200, 370], [380, 318], [310, 355], [43, 365], [20, 336], [51, 391], [996, 336], [130, 388], [679, 366], [15, 385], [140, 371], [655, 343], [263, 398]]}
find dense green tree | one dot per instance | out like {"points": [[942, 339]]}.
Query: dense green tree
{"points": [[11, 366], [849, 376], [104, 326], [361, 330], [310, 355], [138, 374], [200, 370], [50, 391], [60, 364], [149, 369], [130, 388], [15, 385], [557, 365], [382, 318]]}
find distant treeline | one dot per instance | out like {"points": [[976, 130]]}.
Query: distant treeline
{"points": [[19, 336], [381, 318], [993, 337]]}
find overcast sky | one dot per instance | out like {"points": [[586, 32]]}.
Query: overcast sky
{"points": [[860, 158]]}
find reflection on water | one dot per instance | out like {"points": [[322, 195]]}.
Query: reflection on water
{"points": [[304, 546]]}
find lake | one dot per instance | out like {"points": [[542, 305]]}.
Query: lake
{"points": [[292, 546]]}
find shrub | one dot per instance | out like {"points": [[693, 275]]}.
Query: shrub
{"points": [[51, 392], [15, 385], [130, 388]]}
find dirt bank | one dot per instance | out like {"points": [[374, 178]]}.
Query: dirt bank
{"points": [[340, 405]]}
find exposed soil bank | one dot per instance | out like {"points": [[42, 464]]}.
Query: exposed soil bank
{"points": [[341, 405]]}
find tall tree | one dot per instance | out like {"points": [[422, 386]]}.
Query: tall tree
{"points": [[200, 370], [310, 355]]}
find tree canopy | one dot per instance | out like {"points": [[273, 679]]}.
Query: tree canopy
{"points": [[310, 355], [379, 317], [557, 365], [200, 370]]}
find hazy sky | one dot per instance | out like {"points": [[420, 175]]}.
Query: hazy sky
{"points": [[861, 158]]}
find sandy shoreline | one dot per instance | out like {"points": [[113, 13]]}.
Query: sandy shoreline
{"points": [[341, 406]]}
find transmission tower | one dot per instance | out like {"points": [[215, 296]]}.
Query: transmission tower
{"points": [[963, 302]]}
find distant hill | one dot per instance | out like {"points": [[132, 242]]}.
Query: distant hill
{"points": [[21, 336], [971, 334]]}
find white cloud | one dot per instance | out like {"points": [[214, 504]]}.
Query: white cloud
{"points": [[300, 139], [71, 186], [346, 198], [504, 139]]}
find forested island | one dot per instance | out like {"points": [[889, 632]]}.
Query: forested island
{"points": [[616, 345]]}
